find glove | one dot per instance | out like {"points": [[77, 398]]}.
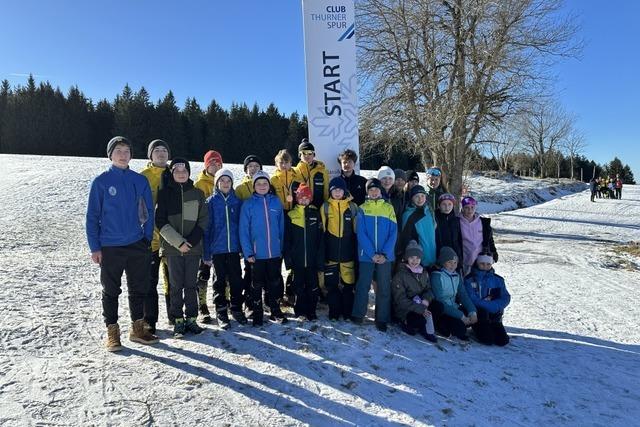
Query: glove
{"points": [[473, 318]]}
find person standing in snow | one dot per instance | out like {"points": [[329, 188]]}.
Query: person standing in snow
{"points": [[435, 186], [119, 227], [205, 183], [313, 173], [593, 186], [182, 217], [448, 231], [618, 187], [489, 295], [477, 234], [156, 173], [419, 225], [356, 184]]}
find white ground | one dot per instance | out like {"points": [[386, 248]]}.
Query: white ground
{"points": [[574, 358]]}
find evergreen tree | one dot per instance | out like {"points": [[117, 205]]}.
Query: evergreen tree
{"points": [[168, 124], [218, 134], [195, 129]]}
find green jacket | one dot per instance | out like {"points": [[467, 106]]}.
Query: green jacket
{"points": [[405, 286], [181, 216]]}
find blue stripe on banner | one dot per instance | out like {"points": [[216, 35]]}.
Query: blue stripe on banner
{"points": [[346, 33], [351, 35]]}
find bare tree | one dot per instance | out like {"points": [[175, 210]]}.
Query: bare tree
{"points": [[544, 127], [434, 73], [501, 144], [574, 145]]}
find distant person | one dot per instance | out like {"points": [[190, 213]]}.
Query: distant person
{"points": [[489, 295], [356, 184], [119, 226], [593, 186], [313, 173], [618, 187], [182, 218], [611, 190]]}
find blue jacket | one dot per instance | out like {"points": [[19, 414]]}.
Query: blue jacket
{"points": [[120, 209], [262, 227], [222, 235], [450, 291], [376, 230], [419, 225], [480, 284]]}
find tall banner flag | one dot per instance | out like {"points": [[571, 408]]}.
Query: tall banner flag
{"points": [[332, 89]]}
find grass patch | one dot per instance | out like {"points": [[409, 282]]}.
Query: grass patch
{"points": [[632, 249]]}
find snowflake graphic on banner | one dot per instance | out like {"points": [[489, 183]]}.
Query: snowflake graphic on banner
{"points": [[347, 130]]}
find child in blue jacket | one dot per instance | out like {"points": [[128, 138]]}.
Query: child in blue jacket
{"points": [[377, 232], [490, 296], [222, 248], [449, 290], [261, 239]]}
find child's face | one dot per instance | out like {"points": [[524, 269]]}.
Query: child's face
{"points": [[213, 168], [451, 265], [433, 181], [261, 186], [121, 156], [468, 210], [304, 201], [400, 183], [484, 266], [252, 168], [337, 193], [419, 199], [225, 184], [283, 165], [387, 182], [374, 193], [307, 156], [412, 183], [160, 156], [347, 165], [180, 175], [446, 206], [413, 261]]}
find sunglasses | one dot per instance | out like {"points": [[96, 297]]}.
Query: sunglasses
{"points": [[307, 153], [434, 172]]}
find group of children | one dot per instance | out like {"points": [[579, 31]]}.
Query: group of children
{"points": [[430, 268], [606, 188]]}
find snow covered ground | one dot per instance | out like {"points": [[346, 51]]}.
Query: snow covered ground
{"points": [[574, 358]]}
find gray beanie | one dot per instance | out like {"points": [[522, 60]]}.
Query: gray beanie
{"points": [[260, 175], [413, 249], [111, 145], [400, 173], [447, 254], [157, 143]]}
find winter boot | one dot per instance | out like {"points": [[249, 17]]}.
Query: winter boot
{"points": [[202, 302], [381, 326], [239, 317], [206, 316], [429, 337], [257, 318], [191, 326], [179, 329], [151, 327], [167, 300], [223, 318], [113, 338], [137, 333], [278, 317]]}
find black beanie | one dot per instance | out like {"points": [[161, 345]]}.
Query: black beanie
{"points": [[252, 158], [374, 183], [111, 145], [305, 145], [157, 143], [178, 160]]}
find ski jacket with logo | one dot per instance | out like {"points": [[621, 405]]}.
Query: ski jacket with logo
{"points": [[120, 209], [481, 284], [304, 238], [339, 222], [262, 227], [357, 186], [285, 184], [222, 235], [315, 175], [420, 226], [377, 230], [450, 291]]}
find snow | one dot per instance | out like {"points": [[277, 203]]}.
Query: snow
{"points": [[573, 359]]}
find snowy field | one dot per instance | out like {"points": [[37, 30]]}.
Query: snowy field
{"points": [[574, 358]]}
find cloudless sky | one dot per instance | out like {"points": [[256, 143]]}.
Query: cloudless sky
{"points": [[253, 51]]}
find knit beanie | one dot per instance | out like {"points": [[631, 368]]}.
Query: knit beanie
{"points": [[400, 173], [252, 158], [373, 183], [111, 145], [413, 249], [446, 254], [417, 189], [157, 143], [337, 182], [386, 171], [446, 196], [485, 257], [222, 172], [468, 200], [260, 175], [303, 191], [178, 160], [212, 156], [305, 145], [413, 176]]}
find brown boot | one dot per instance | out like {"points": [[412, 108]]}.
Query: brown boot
{"points": [[113, 338], [138, 333]]}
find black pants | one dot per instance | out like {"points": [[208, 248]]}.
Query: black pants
{"points": [[340, 295], [183, 274], [489, 329], [618, 193], [446, 325], [417, 322], [266, 275], [134, 261], [227, 266], [306, 288], [593, 196], [247, 280]]}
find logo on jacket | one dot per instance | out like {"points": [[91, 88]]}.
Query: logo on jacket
{"points": [[112, 190]]}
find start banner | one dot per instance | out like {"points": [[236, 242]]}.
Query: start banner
{"points": [[330, 57]]}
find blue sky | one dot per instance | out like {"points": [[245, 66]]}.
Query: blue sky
{"points": [[253, 51]]}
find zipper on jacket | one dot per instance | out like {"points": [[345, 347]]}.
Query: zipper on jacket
{"points": [[226, 211], [266, 217], [304, 233], [182, 216]]}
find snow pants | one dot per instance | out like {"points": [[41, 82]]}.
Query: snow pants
{"points": [[489, 329], [266, 274], [227, 266], [306, 289], [339, 282], [151, 300], [183, 276], [134, 261], [383, 290]]}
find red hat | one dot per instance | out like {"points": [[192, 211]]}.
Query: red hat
{"points": [[212, 156], [304, 191]]}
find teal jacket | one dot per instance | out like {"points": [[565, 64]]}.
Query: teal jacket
{"points": [[450, 291]]}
